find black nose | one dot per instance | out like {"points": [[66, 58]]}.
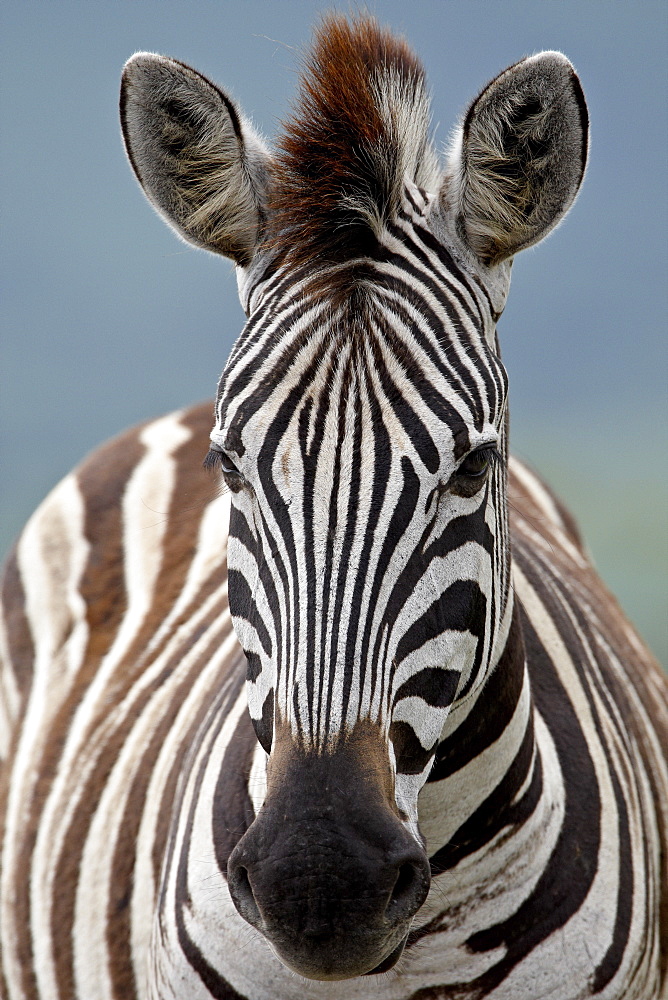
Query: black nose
{"points": [[332, 886], [332, 907], [242, 893], [408, 892], [388, 888]]}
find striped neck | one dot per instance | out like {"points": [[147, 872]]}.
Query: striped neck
{"points": [[484, 777]]}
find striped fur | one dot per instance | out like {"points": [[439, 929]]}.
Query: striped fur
{"points": [[442, 633], [97, 774]]}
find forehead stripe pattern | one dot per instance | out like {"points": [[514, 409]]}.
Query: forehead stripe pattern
{"points": [[416, 319]]}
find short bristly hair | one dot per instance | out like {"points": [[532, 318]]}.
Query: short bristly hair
{"points": [[359, 130]]}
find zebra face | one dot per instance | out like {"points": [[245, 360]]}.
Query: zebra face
{"points": [[367, 497], [360, 427], [366, 584]]}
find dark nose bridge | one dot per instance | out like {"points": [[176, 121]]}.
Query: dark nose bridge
{"points": [[328, 871], [356, 758]]}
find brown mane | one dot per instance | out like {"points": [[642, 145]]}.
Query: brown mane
{"points": [[359, 127]]}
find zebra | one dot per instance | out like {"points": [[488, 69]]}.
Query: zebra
{"points": [[353, 715]]}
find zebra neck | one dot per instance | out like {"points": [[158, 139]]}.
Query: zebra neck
{"points": [[484, 778]]}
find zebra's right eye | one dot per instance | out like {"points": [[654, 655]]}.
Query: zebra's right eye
{"points": [[217, 459], [228, 467], [472, 472]]}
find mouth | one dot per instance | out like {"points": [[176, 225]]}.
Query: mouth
{"points": [[391, 960], [334, 963]]}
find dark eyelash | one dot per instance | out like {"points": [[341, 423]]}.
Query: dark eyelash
{"points": [[496, 457], [487, 454], [213, 460]]}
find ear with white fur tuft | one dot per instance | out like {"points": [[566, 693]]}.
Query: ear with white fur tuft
{"points": [[520, 156], [199, 163]]}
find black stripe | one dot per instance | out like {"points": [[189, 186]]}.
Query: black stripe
{"points": [[432, 398], [494, 709], [435, 685], [382, 451], [346, 552], [498, 810], [568, 875]]}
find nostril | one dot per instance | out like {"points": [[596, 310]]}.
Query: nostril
{"points": [[408, 893], [243, 883], [404, 884], [242, 894]]}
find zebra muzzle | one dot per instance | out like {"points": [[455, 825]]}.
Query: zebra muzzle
{"points": [[327, 871]]}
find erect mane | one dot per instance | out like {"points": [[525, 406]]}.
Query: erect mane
{"points": [[360, 126]]}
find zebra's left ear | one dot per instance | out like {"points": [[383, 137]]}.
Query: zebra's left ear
{"points": [[520, 156], [200, 163]]}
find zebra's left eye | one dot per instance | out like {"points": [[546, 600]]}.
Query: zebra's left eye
{"points": [[477, 463], [469, 477]]}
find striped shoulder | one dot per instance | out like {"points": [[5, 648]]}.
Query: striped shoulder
{"points": [[123, 646], [550, 557], [96, 547], [603, 697]]}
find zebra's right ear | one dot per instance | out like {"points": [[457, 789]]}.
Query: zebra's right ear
{"points": [[519, 157], [200, 164]]}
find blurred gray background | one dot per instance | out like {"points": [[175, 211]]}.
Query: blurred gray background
{"points": [[107, 319]]}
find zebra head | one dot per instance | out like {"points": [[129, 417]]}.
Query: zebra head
{"points": [[360, 425]]}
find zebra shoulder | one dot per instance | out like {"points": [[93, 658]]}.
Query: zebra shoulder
{"points": [[95, 544]]}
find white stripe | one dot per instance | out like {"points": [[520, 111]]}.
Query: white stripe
{"points": [[10, 699], [445, 805], [146, 503], [208, 889], [590, 929], [51, 557]]}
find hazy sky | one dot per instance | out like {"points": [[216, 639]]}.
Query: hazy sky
{"points": [[107, 319]]}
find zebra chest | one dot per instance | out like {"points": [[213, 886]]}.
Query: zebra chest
{"points": [[522, 911], [150, 772]]}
